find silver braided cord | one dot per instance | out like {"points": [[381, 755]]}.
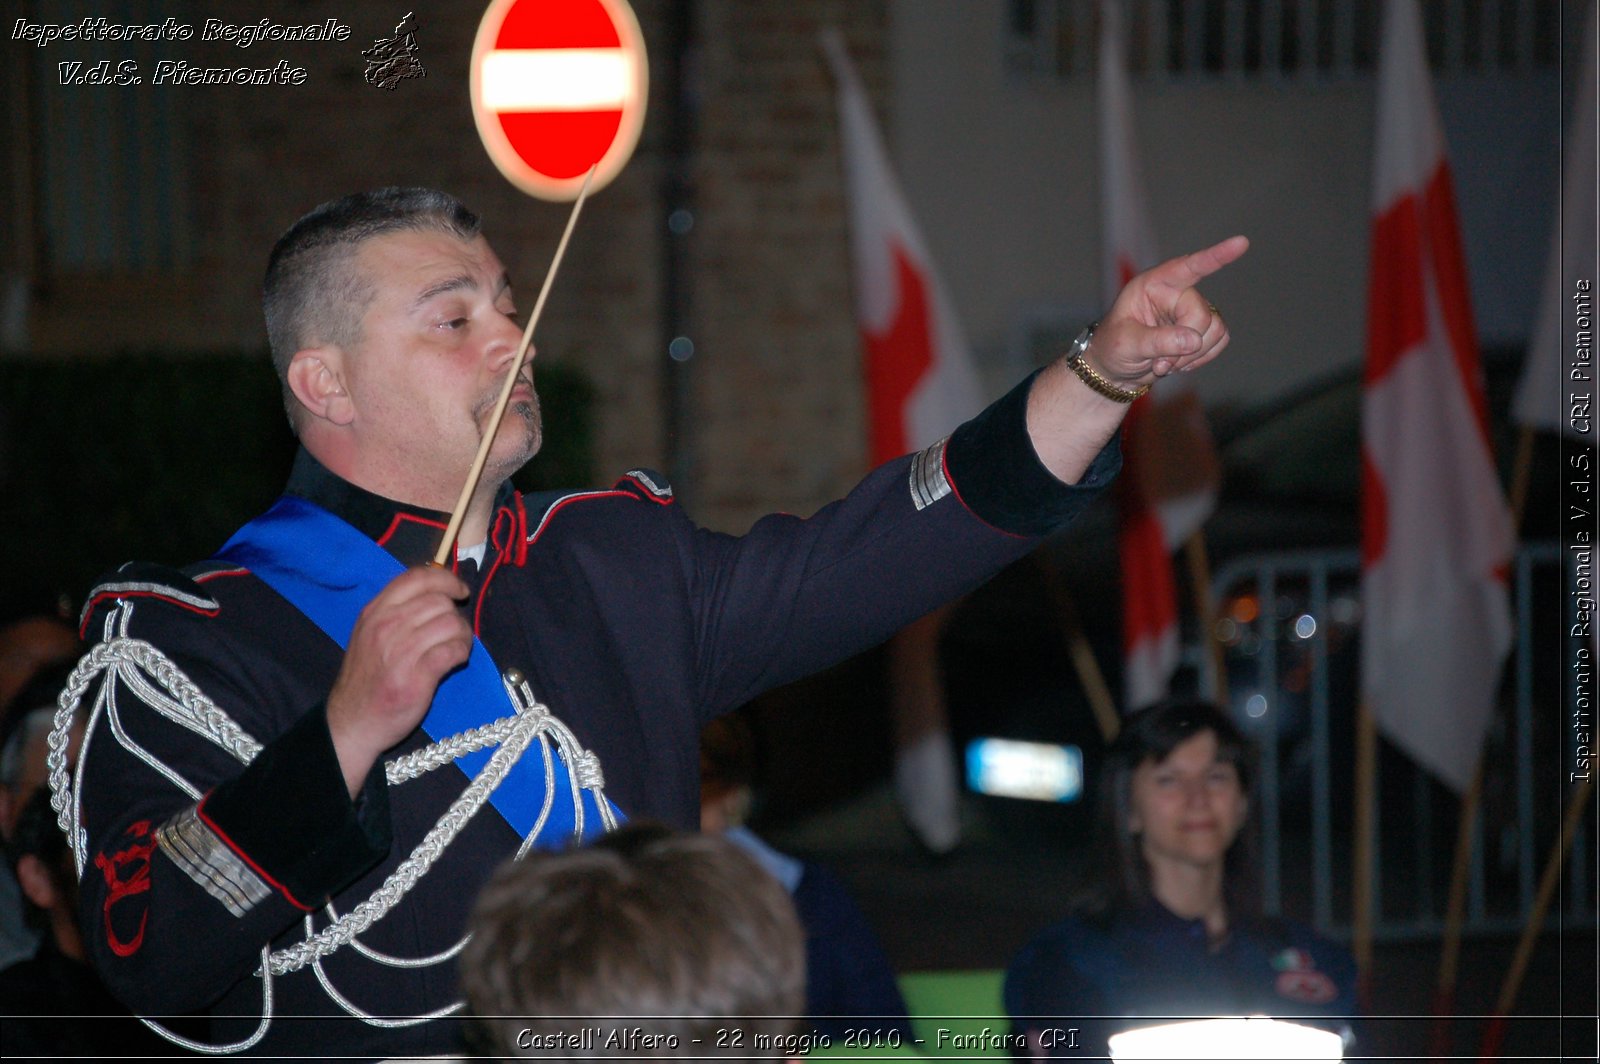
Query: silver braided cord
{"points": [[378, 1021], [413, 868], [233, 1047], [446, 750], [158, 684], [419, 761]]}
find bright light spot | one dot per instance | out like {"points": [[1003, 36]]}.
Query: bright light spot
{"points": [[1245, 609], [1305, 626], [1227, 630], [557, 79], [1256, 705], [1012, 769], [681, 349], [1255, 1038]]}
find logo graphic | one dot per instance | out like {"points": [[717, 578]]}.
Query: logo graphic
{"points": [[391, 60]]}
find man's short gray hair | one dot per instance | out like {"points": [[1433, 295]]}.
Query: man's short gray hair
{"points": [[313, 294]]}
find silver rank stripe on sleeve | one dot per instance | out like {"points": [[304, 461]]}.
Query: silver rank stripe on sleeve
{"points": [[207, 860], [928, 482]]}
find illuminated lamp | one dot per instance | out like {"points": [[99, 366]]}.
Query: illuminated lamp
{"points": [[1255, 1038], [1010, 768]]}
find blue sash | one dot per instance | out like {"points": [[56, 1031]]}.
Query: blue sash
{"points": [[329, 571]]}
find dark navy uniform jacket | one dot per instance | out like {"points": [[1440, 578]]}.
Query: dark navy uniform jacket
{"points": [[1102, 975], [631, 624]]}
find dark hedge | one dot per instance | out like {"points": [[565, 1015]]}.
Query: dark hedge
{"points": [[160, 458]]}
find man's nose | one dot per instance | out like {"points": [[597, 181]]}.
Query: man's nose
{"points": [[507, 342]]}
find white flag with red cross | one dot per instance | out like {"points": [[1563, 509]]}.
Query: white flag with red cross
{"points": [[920, 379], [1436, 531], [1170, 469]]}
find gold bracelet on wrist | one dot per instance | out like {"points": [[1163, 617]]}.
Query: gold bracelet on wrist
{"points": [[1088, 375]]}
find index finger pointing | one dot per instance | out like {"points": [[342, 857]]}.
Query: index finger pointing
{"points": [[1186, 271]]}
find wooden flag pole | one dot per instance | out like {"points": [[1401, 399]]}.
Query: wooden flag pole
{"points": [[447, 545], [1521, 475], [1444, 997], [1206, 609], [1080, 653], [1576, 807], [1366, 801], [1456, 909]]}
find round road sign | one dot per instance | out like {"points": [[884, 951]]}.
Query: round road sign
{"points": [[559, 86]]}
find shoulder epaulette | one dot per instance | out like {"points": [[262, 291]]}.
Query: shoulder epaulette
{"points": [[650, 483], [642, 484], [162, 582]]}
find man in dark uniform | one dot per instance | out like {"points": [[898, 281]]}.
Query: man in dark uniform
{"points": [[270, 834]]}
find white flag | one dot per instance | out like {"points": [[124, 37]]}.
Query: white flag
{"points": [[1436, 532], [920, 380], [1170, 469], [920, 386]]}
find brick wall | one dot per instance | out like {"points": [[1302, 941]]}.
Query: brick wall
{"points": [[777, 381]]}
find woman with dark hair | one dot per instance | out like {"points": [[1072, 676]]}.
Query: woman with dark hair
{"points": [[1170, 927]]}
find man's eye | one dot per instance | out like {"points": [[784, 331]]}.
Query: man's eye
{"points": [[454, 323]]}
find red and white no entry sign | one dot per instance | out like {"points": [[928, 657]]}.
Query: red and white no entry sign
{"points": [[559, 86]]}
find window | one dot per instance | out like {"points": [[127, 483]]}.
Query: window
{"points": [[1283, 39], [108, 185]]}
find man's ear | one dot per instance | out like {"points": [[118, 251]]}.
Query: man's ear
{"points": [[316, 379]]}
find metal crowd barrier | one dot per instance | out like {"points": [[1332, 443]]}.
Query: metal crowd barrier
{"points": [[1290, 625]]}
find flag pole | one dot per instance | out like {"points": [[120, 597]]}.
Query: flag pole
{"points": [[1205, 607], [1494, 1034], [1521, 475], [1080, 653], [447, 545], [1444, 997], [1361, 893]]}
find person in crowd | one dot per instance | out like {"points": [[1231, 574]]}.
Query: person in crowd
{"points": [[24, 748], [849, 981], [646, 943], [281, 772], [54, 1004], [28, 645], [24, 741], [1168, 926]]}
